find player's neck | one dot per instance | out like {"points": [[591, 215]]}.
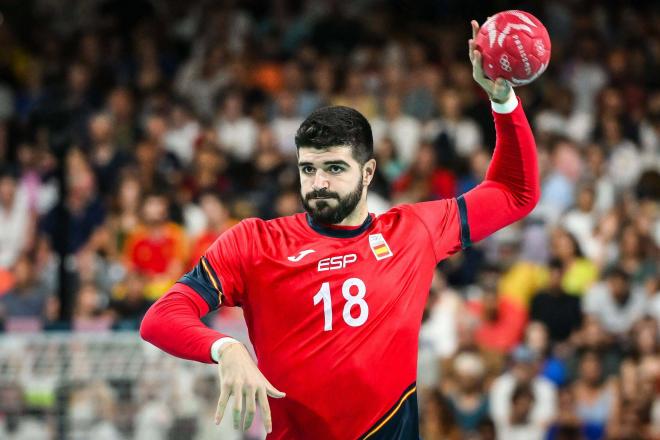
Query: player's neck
{"points": [[357, 217]]}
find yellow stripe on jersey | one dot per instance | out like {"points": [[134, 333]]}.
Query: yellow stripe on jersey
{"points": [[398, 406], [382, 249], [212, 278]]}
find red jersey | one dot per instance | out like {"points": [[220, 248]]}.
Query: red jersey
{"points": [[333, 312]]}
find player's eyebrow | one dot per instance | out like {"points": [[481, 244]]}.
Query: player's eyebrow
{"points": [[327, 162]]}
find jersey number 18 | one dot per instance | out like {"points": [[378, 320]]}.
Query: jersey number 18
{"points": [[351, 300]]}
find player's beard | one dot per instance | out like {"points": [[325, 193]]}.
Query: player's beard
{"points": [[323, 212]]}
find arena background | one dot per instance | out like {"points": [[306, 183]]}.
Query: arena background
{"points": [[162, 123]]}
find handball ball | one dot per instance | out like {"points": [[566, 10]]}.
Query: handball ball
{"points": [[514, 45]]}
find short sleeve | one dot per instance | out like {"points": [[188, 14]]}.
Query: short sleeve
{"points": [[446, 224], [219, 276]]}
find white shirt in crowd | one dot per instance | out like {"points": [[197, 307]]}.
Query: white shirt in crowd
{"points": [[599, 302], [285, 132], [181, 141], [14, 225], [464, 134], [405, 132], [541, 415], [238, 137], [577, 126]]}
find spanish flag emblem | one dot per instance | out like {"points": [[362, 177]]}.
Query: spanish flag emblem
{"points": [[379, 246]]}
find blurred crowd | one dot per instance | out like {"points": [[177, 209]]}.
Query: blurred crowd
{"points": [[133, 133]]}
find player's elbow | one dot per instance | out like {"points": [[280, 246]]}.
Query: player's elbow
{"points": [[526, 202], [148, 326]]}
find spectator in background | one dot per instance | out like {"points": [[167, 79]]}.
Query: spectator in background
{"points": [[625, 162], [596, 171], [125, 214], [161, 167], [603, 248], [637, 254], [553, 365], [237, 133], [553, 306], [285, 123], [85, 211], [120, 105], [130, 304], [579, 273], [266, 173], [585, 75], [203, 76], [595, 397], [468, 399], [388, 161], [567, 425], [424, 180], [14, 218], [592, 336], [405, 131], [105, 158], [521, 400], [521, 426], [218, 220], [27, 298], [463, 135], [557, 186], [581, 220], [356, 95], [16, 422], [615, 303], [157, 247], [444, 313], [293, 81], [36, 165], [437, 420], [182, 133], [561, 118], [500, 320], [89, 310], [425, 83]]}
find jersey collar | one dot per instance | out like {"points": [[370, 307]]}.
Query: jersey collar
{"points": [[340, 231]]}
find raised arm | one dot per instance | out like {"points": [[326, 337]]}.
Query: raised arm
{"points": [[511, 188]]}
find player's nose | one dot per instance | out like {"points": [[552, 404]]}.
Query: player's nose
{"points": [[320, 180]]}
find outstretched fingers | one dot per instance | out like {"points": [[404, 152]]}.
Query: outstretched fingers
{"points": [[222, 403], [262, 399], [475, 28]]}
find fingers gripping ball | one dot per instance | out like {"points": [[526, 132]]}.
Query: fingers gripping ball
{"points": [[515, 46]]}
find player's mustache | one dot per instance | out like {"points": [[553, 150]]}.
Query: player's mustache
{"points": [[321, 194]]}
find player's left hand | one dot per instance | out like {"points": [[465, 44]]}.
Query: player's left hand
{"points": [[240, 377], [498, 90]]}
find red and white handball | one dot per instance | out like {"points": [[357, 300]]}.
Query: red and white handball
{"points": [[514, 45]]}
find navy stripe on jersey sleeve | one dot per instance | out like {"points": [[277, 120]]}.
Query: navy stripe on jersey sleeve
{"points": [[203, 280], [465, 227]]}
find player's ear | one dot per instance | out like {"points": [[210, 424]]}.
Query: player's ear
{"points": [[368, 171]]}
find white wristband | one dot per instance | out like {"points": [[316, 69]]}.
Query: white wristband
{"points": [[217, 345], [507, 106]]}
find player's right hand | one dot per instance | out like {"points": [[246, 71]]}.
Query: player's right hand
{"points": [[498, 90], [240, 377]]}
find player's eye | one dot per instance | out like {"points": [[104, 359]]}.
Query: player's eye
{"points": [[307, 169], [335, 169]]}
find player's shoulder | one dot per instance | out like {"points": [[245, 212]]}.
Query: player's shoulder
{"points": [[256, 225], [416, 209]]}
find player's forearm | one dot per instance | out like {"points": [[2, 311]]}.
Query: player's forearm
{"points": [[511, 188], [173, 324]]}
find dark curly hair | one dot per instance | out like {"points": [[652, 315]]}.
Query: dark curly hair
{"points": [[335, 126]]}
